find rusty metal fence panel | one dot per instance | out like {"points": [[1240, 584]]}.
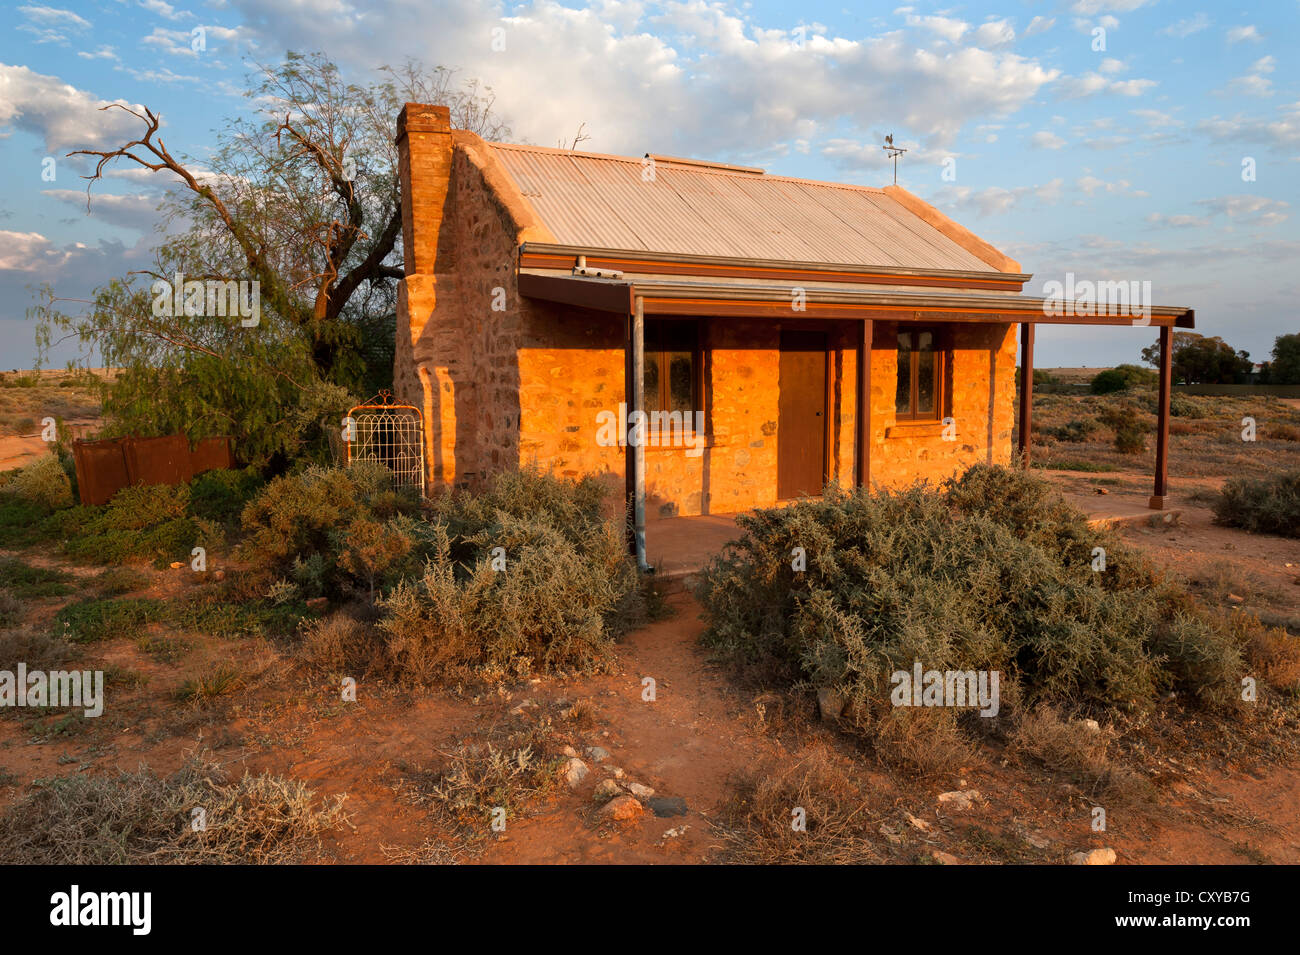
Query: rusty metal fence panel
{"points": [[105, 467]]}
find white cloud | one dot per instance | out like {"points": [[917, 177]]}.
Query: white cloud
{"points": [[138, 212], [1091, 185], [99, 53], [1046, 140], [1156, 119], [27, 252], [62, 115], [1251, 210], [180, 42], [1090, 8], [164, 10], [1181, 221], [690, 76], [1186, 27], [1255, 82], [1039, 25], [995, 200], [1244, 33], [1279, 132], [995, 34], [945, 27], [53, 16], [51, 24], [1089, 84]]}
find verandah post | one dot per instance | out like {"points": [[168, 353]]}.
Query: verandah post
{"points": [[1157, 501], [1025, 423], [862, 460]]}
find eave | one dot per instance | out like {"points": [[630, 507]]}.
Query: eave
{"points": [[731, 298]]}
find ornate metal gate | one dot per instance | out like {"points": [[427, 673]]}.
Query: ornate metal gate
{"points": [[389, 434]]}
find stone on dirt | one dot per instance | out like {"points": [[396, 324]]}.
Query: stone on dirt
{"points": [[959, 801], [621, 809], [575, 771], [830, 703], [1093, 857], [664, 806], [606, 790], [640, 790]]}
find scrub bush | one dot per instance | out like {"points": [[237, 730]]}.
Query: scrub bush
{"points": [[43, 484], [992, 571], [300, 527], [1130, 430], [554, 596], [145, 522], [1268, 505]]}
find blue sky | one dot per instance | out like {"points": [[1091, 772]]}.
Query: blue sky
{"points": [[1115, 154]]}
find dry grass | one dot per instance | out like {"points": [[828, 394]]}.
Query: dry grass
{"points": [[39, 649], [143, 818], [757, 822], [507, 770], [1077, 752], [27, 397], [1205, 434]]}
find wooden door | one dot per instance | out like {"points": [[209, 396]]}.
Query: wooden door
{"points": [[801, 425]]}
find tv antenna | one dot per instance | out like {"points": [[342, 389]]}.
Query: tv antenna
{"points": [[894, 152]]}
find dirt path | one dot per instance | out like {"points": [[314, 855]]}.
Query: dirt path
{"points": [[686, 743]]}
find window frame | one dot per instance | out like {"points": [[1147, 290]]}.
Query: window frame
{"points": [[663, 400], [912, 416]]}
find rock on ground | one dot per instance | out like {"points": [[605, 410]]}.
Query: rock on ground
{"points": [[575, 771], [621, 809], [1094, 857]]}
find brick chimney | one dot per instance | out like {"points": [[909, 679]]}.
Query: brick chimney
{"points": [[424, 168]]}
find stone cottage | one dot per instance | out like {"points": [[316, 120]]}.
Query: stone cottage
{"points": [[739, 305]]}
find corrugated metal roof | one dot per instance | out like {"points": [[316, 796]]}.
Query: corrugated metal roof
{"points": [[600, 201]]}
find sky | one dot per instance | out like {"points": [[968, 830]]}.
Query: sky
{"points": [[1135, 140]]}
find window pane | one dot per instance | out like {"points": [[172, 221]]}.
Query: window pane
{"points": [[903, 396], [925, 365], [651, 381], [681, 381]]}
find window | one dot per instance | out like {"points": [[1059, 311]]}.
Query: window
{"points": [[920, 376], [671, 379]]}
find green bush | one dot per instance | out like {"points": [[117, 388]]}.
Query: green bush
{"points": [[990, 572], [1129, 427], [1122, 378], [1185, 406], [43, 483], [1074, 431], [301, 526], [147, 522], [555, 595], [1262, 506], [89, 621], [221, 495], [23, 579]]}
